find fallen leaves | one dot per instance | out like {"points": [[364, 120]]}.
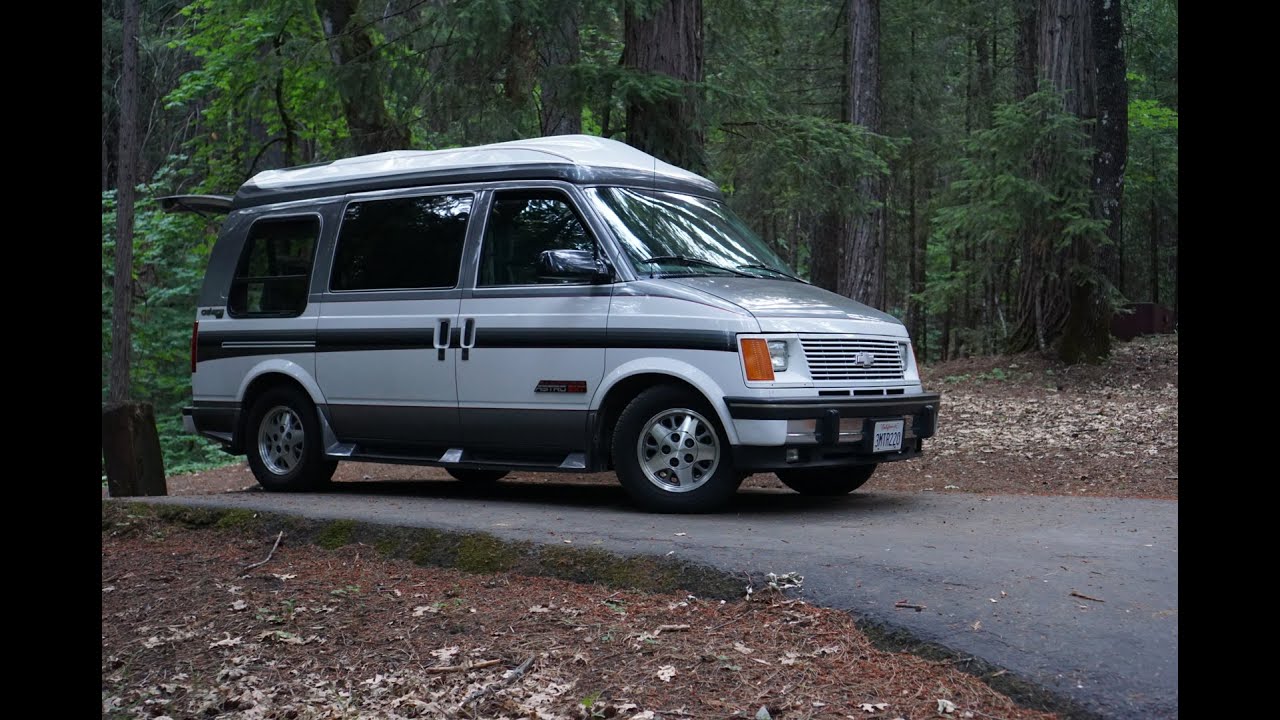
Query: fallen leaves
{"points": [[310, 652]]}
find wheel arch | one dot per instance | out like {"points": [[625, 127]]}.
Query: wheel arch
{"points": [[265, 376], [627, 381]]}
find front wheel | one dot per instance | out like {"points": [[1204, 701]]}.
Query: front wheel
{"points": [[285, 450], [827, 482], [671, 454]]}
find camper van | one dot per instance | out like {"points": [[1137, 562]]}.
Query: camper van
{"points": [[565, 304]]}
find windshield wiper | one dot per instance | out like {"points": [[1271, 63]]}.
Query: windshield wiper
{"points": [[758, 266], [686, 260]]}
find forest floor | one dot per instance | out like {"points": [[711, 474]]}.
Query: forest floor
{"points": [[188, 631], [1008, 425]]}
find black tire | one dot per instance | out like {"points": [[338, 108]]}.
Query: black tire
{"points": [[711, 474], [827, 482], [279, 458], [472, 475]]}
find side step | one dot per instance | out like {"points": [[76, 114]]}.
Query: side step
{"points": [[461, 458]]}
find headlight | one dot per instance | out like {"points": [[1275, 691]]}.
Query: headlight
{"points": [[778, 354]]}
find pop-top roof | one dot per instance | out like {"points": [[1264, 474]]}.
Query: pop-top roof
{"points": [[577, 158]]}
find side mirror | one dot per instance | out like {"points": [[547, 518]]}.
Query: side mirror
{"points": [[573, 266]]}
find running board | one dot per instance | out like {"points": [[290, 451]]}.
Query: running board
{"points": [[460, 458]]}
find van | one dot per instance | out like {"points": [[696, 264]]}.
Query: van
{"points": [[560, 304]]}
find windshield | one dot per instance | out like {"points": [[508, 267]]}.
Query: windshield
{"points": [[670, 234]]}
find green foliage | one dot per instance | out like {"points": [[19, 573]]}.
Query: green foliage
{"points": [[1028, 175], [262, 66], [170, 252]]}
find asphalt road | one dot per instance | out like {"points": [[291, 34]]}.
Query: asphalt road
{"points": [[995, 573]]}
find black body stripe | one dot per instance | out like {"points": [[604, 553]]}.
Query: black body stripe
{"points": [[602, 338], [211, 347]]}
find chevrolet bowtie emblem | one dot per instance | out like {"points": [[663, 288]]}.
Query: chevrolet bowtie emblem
{"points": [[864, 359]]}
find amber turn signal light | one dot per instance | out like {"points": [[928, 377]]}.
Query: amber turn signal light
{"points": [[755, 357]]}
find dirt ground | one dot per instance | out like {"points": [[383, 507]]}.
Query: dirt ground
{"points": [[1008, 425], [189, 631]]}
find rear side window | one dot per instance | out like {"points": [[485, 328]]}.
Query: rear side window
{"points": [[273, 275], [401, 243]]}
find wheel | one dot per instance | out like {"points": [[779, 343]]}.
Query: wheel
{"points": [[284, 450], [671, 454], [472, 475], [827, 481]]}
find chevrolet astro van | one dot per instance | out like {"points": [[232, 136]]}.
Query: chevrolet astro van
{"points": [[558, 304]]}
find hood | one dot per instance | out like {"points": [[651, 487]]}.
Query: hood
{"points": [[789, 306]]}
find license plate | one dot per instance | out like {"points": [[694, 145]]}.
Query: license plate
{"points": [[887, 436]]}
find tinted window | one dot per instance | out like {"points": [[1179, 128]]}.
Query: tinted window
{"points": [[402, 243], [522, 224], [275, 268]]}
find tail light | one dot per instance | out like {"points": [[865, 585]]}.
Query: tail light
{"points": [[195, 335]]}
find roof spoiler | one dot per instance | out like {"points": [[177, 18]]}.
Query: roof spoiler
{"points": [[198, 204]]}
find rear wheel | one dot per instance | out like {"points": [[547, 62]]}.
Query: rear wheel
{"points": [[671, 454], [471, 475], [827, 481], [285, 451]]}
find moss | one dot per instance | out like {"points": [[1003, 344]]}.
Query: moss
{"points": [[426, 548], [237, 520], [336, 534], [191, 517], [483, 553], [386, 546]]}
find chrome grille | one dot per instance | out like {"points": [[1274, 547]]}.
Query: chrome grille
{"points": [[835, 357]]}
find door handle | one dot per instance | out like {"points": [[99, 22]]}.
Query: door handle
{"points": [[440, 340], [468, 337]]}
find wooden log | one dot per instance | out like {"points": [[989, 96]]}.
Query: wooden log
{"points": [[131, 450]]}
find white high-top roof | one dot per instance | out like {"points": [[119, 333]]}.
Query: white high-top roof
{"points": [[585, 151]]}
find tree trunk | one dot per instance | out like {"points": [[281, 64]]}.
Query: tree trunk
{"points": [[863, 276], [359, 80], [825, 252], [1155, 244], [1066, 59], [1111, 137], [131, 450], [126, 182], [1025, 49], [916, 240], [667, 42], [559, 50]]}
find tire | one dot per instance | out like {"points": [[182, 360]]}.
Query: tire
{"points": [[471, 475], [283, 442], [827, 482], [702, 478]]}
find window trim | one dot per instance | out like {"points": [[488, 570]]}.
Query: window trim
{"points": [[244, 248], [342, 221], [600, 251]]}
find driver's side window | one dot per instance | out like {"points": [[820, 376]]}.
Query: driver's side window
{"points": [[522, 224]]}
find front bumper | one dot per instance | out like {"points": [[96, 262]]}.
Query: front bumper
{"points": [[829, 432]]}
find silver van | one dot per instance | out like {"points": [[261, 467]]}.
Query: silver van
{"points": [[557, 304]]}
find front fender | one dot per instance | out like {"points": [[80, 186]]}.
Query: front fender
{"points": [[679, 370]]}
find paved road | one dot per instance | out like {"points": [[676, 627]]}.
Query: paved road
{"points": [[1008, 563]]}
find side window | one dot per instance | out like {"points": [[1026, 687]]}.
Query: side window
{"points": [[401, 243], [275, 268], [521, 225]]}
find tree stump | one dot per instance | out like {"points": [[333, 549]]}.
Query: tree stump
{"points": [[131, 450]]}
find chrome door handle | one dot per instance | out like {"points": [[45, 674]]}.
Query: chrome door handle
{"points": [[440, 340], [468, 337]]}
